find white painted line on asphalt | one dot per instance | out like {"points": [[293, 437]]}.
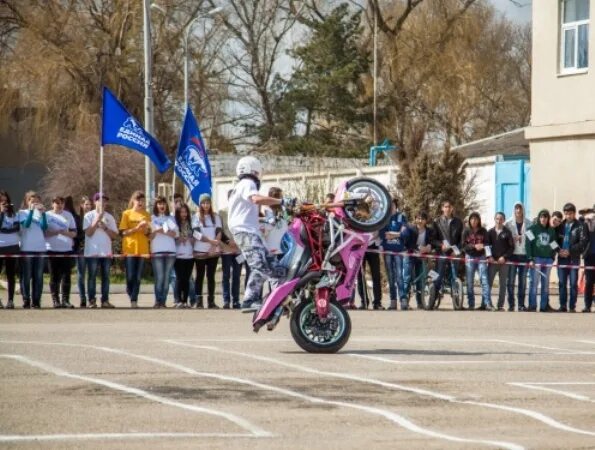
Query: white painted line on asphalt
{"points": [[393, 417], [471, 361], [565, 383], [564, 351], [541, 387], [241, 422], [449, 398], [567, 351], [115, 436]]}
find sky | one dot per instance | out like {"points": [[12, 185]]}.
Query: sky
{"points": [[516, 10]]}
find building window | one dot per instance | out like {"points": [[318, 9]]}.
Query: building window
{"points": [[575, 36]]}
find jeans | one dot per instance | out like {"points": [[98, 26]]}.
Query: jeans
{"points": [[32, 277], [441, 269], [419, 274], [81, 269], [134, 270], [398, 271], [232, 271], [502, 271], [60, 271], [568, 275], [183, 269], [513, 273], [542, 265], [589, 279], [163, 264], [471, 266], [373, 260], [104, 268]]}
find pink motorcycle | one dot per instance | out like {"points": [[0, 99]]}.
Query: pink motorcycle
{"points": [[324, 250]]}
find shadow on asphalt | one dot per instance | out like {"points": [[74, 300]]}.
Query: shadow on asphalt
{"points": [[391, 351]]}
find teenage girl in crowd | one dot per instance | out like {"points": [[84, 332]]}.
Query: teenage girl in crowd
{"points": [[134, 228], [59, 242], [79, 248], [9, 244], [184, 256], [33, 221], [207, 227], [164, 230]]}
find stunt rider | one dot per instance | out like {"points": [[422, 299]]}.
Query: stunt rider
{"points": [[244, 203]]}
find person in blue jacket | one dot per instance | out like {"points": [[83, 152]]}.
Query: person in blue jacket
{"points": [[394, 239]]}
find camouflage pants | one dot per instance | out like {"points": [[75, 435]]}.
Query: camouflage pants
{"points": [[263, 266]]}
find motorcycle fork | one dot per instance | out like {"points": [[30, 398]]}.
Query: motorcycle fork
{"points": [[322, 302]]}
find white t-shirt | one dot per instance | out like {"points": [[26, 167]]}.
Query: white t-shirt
{"points": [[209, 229], [63, 221], [32, 238], [243, 214], [162, 243], [273, 229], [9, 239], [184, 250], [99, 244]]}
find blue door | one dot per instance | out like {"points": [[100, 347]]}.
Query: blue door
{"points": [[512, 185]]}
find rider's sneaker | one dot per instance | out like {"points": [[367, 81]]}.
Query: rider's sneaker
{"points": [[251, 304]]}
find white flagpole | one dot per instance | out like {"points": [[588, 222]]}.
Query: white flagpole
{"points": [[101, 172], [173, 182]]}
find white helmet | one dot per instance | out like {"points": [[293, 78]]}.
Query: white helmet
{"points": [[249, 165]]}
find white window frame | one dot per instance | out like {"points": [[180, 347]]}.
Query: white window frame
{"points": [[571, 26]]}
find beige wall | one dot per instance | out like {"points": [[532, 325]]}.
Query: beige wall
{"points": [[559, 99], [562, 130], [562, 171]]}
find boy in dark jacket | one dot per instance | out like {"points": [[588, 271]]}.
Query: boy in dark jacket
{"points": [[394, 238], [589, 215], [541, 248], [420, 242], [499, 248], [475, 238], [573, 239], [448, 230]]}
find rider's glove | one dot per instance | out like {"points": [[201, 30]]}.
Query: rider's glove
{"points": [[288, 202]]}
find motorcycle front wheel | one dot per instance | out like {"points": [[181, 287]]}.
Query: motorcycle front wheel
{"points": [[316, 336]]}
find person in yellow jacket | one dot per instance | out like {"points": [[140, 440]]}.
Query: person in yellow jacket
{"points": [[135, 227]]}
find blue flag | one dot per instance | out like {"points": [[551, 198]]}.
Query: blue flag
{"points": [[192, 164], [120, 128]]}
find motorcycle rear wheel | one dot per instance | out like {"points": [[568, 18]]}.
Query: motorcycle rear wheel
{"points": [[379, 212], [316, 337]]}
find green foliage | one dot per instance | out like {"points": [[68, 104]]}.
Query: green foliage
{"points": [[331, 63], [323, 143]]}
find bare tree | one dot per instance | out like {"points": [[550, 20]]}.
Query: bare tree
{"points": [[258, 29]]}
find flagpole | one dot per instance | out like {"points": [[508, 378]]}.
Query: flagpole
{"points": [[101, 172]]}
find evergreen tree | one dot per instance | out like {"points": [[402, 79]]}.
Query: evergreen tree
{"points": [[321, 100], [428, 179]]}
